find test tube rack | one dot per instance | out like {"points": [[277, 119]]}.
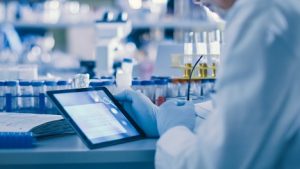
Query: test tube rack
{"points": [[204, 70]]}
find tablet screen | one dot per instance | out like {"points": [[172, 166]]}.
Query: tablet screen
{"points": [[95, 114]]}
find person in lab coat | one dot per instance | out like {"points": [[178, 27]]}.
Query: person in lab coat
{"points": [[256, 122]]}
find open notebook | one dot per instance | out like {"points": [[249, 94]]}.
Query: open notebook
{"points": [[39, 124]]}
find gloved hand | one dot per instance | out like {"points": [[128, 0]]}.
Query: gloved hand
{"points": [[141, 109], [175, 113]]}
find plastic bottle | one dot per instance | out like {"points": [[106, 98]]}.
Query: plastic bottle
{"points": [[25, 97], [124, 76], [38, 96], [11, 96]]}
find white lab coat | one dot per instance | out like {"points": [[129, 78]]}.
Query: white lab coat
{"points": [[256, 124]]}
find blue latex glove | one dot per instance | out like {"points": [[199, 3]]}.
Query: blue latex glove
{"points": [[141, 109], [175, 113]]}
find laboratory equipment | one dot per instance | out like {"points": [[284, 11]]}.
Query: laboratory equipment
{"points": [[50, 85], [104, 112], [136, 85], [188, 53], [38, 96], [173, 88], [124, 76], [81, 81], [107, 77], [16, 140], [183, 89], [25, 97], [110, 32], [95, 83], [208, 87], [63, 84], [161, 88], [11, 96], [26, 72], [148, 89], [2, 96]]}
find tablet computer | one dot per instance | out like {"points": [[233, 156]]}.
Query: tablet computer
{"points": [[96, 116]]}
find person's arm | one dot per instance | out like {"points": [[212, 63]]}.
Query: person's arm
{"points": [[247, 100]]}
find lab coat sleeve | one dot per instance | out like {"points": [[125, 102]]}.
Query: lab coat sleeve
{"points": [[248, 99], [166, 152]]}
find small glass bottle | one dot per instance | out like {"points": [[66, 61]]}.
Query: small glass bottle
{"points": [[147, 87], [161, 88], [39, 96], [25, 97], [173, 88], [2, 96], [183, 88], [49, 86], [11, 96], [207, 87]]}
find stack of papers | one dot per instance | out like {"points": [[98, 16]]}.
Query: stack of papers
{"points": [[38, 124]]}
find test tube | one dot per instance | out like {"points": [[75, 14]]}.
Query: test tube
{"points": [[183, 88], [147, 87], [11, 96], [173, 88], [201, 49], [38, 96], [188, 53], [50, 85], [161, 91], [2, 96], [26, 97]]}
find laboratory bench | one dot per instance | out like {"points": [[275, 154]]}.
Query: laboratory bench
{"points": [[70, 152]]}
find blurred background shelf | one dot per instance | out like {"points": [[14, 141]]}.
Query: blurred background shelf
{"points": [[162, 24]]}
